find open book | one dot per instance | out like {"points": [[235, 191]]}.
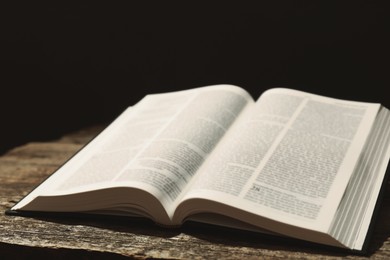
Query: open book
{"points": [[291, 163]]}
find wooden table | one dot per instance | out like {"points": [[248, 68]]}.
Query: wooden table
{"points": [[22, 168]]}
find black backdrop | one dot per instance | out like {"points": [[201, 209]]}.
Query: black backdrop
{"points": [[66, 66]]}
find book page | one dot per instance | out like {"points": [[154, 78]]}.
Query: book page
{"points": [[290, 159], [157, 146]]}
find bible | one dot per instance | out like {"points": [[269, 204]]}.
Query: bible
{"points": [[291, 163]]}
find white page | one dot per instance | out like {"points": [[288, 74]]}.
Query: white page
{"points": [[269, 145], [133, 150]]}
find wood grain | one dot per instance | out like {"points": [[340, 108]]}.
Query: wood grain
{"points": [[24, 167]]}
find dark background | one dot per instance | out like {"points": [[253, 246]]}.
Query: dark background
{"points": [[66, 66]]}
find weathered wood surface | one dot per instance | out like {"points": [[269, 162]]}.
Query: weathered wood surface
{"points": [[22, 168]]}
